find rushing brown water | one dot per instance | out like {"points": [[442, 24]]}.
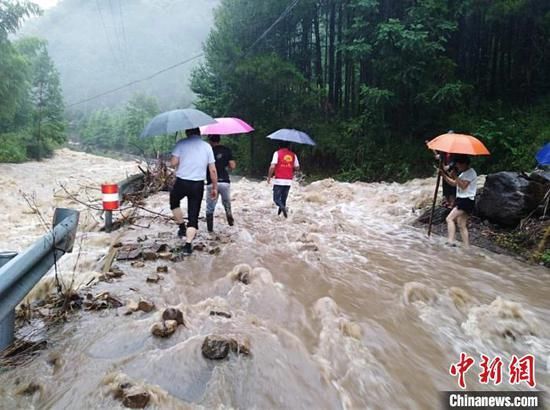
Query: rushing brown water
{"points": [[348, 306]]}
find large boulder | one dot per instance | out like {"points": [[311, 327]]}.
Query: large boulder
{"points": [[507, 197]]}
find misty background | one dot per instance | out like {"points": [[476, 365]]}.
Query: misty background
{"points": [[98, 45]]}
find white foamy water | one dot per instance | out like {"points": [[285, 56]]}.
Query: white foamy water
{"points": [[347, 305]]}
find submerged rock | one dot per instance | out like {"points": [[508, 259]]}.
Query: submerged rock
{"points": [[215, 347], [162, 269], [153, 278], [218, 347], [165, 328], [173, 314], [136, 399], [145, 306]]}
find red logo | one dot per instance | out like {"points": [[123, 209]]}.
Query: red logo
{"points": [[519, 370]]}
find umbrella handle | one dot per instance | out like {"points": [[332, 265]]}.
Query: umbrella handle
{"points": [[435, 197]]}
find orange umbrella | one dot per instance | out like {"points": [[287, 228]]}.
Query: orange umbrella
{"points": [[458, 144]]}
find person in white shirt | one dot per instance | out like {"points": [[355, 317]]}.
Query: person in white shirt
{"points": [[466, 188], [191, 157]]}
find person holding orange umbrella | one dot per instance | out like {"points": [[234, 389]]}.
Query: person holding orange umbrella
{"points": [[466, 189], [465, 183]]}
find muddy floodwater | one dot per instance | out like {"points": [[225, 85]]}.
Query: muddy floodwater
{"points": [[346, 306]]}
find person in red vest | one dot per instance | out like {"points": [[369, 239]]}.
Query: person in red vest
{"points": [[283, 165]]}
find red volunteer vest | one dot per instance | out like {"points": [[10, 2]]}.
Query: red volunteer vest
{"points": [[285, 164]]}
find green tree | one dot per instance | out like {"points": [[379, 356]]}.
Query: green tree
{"points": [[46, 101]]}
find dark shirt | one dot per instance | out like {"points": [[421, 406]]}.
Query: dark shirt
{"points": [[222, 155]]}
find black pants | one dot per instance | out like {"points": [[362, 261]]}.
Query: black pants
{"points": [[194, 191], [280, 194]]}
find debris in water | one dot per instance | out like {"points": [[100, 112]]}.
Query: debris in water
{"points": [[138, 264], [224, 314], [309, 247], [29, 389], [215, 251], [199, 247], [115, 272], [128, 252], [501, 319], [102, 301], [55, 361], [142, 238], [418, 292], [173, 314], [162, 269]]}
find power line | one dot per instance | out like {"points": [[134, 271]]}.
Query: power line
{"points": [[117, 61], [138, 81], [117, 37], [281, 17], [124, 38]]}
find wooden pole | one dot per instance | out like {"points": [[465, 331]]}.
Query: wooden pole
{"points": [[435, 196]]}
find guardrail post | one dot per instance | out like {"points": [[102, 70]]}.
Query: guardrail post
{"points": [[108, 221], [21, 273], [7, 324]]}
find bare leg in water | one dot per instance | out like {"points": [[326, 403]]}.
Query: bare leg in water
{"points": [[460, 217]]}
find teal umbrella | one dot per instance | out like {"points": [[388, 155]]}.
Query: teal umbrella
{"points": [[173, 121]]}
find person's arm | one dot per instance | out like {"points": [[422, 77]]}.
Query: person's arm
{"points": [[271, 169], [270, 173], [231, 164], [296, 164], [457, 182], [214, 179], [212, 171], [174, 161]]}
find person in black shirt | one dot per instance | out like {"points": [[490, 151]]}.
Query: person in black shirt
{"points": [[224, 161]]}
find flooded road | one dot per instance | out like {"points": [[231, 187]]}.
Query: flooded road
{"points": [[348, 306]]}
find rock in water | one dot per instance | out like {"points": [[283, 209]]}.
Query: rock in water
{"points": [[136, 399], [173, 314], [164, 328], [215, 347], [145, 306], [508, 197], [153, 278], [218, 347]]}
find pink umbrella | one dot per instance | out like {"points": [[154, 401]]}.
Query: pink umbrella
{"points": [[226, 126]]}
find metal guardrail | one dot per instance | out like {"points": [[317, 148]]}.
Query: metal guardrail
{"points": [[22, 272]]}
